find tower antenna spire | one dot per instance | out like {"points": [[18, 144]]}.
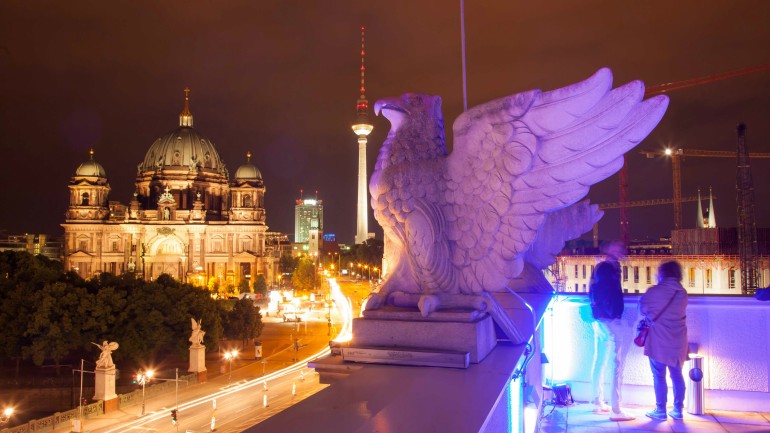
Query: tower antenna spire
{"points": [[362, 105], [362, 128]]}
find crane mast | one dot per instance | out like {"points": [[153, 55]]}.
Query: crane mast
{"points": [[748, 249]]}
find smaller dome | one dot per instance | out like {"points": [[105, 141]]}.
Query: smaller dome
{"points": [[248, 171], [91, 168]]}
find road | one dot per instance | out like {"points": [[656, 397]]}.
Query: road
{"points": [[246, 396]]}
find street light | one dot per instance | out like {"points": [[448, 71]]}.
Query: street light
{"points": [[143, 378], [6, 416], [339, 261], [229, 356]]}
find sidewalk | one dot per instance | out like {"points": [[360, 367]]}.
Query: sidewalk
{"points": [[579, 419]]}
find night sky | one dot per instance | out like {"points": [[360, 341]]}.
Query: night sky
{"points": [[280, 79]]}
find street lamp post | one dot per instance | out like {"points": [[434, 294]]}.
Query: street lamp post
{"points": [[229, 356], [143, 378], [6, 416]]}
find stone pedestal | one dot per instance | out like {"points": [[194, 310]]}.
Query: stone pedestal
{"points": [[197, 359], [450, 331], [105, 384], [111, 405]]}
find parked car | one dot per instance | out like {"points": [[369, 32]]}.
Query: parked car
{"points": [[292, 317]]}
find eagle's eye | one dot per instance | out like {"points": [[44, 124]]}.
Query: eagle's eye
{"points": [[414, 100]]}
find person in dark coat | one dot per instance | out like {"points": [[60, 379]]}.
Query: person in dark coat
{"points": [[665, 304], [612, 337]]}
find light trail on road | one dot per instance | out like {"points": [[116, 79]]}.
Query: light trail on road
{"points": [[343, 308]]}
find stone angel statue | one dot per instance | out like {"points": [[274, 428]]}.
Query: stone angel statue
{"points": [[105, 358], [196, 338]]}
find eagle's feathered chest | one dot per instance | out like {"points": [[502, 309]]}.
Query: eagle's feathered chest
{"points": [[398, 187]]}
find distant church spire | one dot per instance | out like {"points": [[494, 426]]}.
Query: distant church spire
{"points": [[709, 221], [186, 118], [712, 214], [700, 213]]}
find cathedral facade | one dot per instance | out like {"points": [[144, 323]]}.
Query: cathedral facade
{"points": [[187, 217]]}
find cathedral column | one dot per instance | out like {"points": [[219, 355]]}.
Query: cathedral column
{"points": [[128, 238], [190, 252], [98, 249], [202, 254]]}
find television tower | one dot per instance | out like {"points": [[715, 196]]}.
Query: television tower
{"points": [[362, 127]]}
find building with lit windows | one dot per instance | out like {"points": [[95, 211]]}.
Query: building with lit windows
{"points": [[33, 244], [308, 217], [708, 255], [188, 218]]}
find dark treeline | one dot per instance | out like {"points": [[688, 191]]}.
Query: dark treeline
{"points": [[48, 315]]}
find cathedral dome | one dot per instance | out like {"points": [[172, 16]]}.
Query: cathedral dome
{"points": [[91, 168], [248, 171], [183, 147]]}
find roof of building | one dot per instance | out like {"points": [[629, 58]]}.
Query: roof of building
{"points": [[248, 171], [183, 147], [91, 168]]}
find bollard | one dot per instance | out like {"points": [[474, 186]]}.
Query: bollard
{"points": [[257, 350], [695, 386]]}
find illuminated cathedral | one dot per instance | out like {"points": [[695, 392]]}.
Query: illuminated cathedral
{"points": [[187, 218]]}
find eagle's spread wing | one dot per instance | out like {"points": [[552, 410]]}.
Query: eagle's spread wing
{"points": [[519, 158]]}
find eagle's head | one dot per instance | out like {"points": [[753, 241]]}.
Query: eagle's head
{"points": [[417, 129]]}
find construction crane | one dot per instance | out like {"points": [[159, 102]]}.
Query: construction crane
{"points": [[637, 203], [676, 156], [665, 88]]}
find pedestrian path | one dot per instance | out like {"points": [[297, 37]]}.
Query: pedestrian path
{"points": [[579, 418]]}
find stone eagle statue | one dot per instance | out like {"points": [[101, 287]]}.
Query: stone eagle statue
{"points": [[507, 197]]}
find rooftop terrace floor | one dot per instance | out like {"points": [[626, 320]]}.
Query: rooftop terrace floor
{"points": [[578, 418]]}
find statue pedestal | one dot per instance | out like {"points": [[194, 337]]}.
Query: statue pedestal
{"points": [[105, 384], [451, 331], [197, 359]]}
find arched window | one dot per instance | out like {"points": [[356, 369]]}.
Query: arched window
{"points": [[84, 199], [247, 200]]}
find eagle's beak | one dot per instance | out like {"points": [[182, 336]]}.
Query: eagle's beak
{"points": [[394, 104]]}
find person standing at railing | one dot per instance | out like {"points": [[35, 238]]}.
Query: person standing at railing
{"points": [[612, 336], [665, 305]]}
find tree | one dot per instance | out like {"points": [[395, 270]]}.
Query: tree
{"points": [[55, 326], [287, 263], [304, 276], [369, 252], [243, 322], [48, 314], [260, 285], [243, 286]]}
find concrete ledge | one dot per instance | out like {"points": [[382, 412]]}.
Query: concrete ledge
{"points": [[402, 356], [384, 398], [476, 337]]}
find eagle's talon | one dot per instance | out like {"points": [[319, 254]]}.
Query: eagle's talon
{"points": [[428, 304], [375, 301]]}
